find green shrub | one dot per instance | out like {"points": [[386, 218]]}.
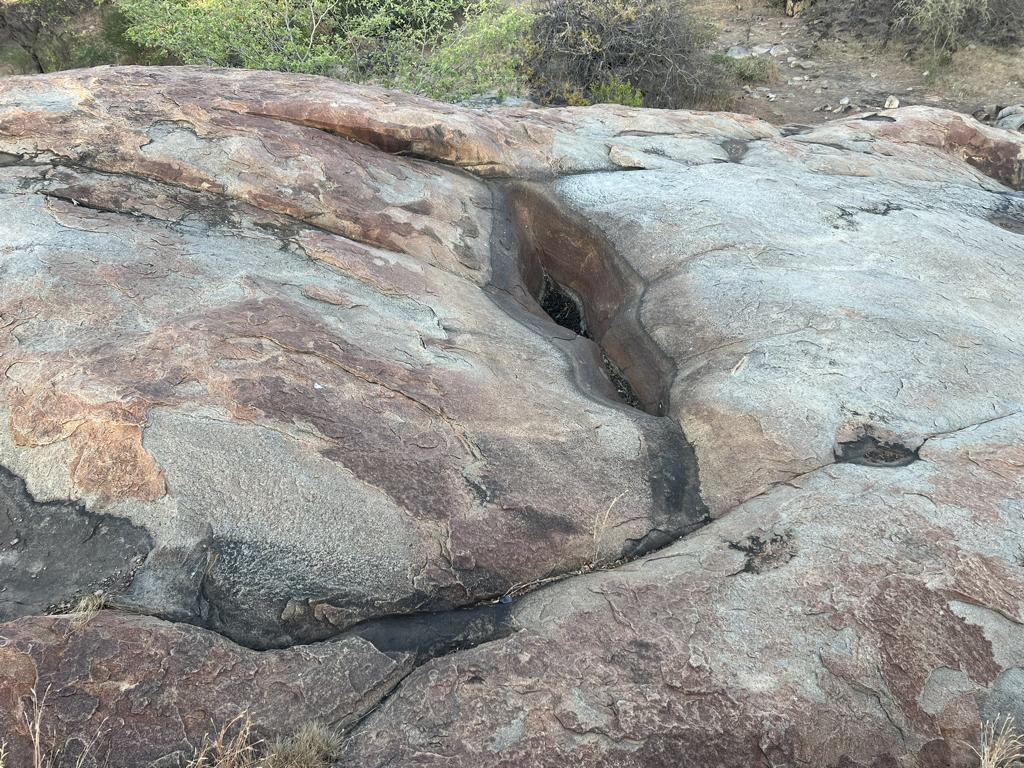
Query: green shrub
{"points": [[447, 49], [482, 54], [290, 35], [655, 46], [750, 69], [419, 20], [616, 91]]}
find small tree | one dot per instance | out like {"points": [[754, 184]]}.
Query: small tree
{"points": [[482, 52]]}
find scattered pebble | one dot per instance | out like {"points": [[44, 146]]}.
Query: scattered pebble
{"points": [[892, 102]]}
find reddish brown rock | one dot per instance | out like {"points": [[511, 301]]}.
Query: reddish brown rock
{"points": [[293, 334], [278, 350], [859, 617], [137, 689]]}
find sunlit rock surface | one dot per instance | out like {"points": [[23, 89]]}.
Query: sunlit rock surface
{"points": [[282, 366]]}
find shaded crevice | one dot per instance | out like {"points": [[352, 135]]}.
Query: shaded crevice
{"points": [[564, 269], [566, 309], [430, 635], [562, 306]]}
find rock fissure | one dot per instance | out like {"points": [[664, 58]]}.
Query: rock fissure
{"points": [[473, 597]]}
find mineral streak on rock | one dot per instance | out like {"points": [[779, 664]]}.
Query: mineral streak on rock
{"points": [[285, 339]]}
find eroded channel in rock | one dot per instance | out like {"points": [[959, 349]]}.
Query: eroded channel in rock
{"points": [[576, 278], [229, 582], [567, 310]]}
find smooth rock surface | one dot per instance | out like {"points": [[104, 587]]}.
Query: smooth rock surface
{"points": [[292, 332], [269, 347]]}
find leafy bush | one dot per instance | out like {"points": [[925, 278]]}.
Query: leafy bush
{"points": [[655, 46], [616, 91], [475, 48], [575, 51], [447, 49], [483, 54], [292, 35]]}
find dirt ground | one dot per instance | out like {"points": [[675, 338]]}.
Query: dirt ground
{"points": [[819, 77]]}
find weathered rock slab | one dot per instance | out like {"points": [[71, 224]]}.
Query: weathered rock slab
{"points": [[755, 497], [859, 617], [134, 689]]}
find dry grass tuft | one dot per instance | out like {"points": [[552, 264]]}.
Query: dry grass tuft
{"points": [[232, 747], [235, 746], [46, 754], [1001, 745], [86, 608], [941, 23], [3, 754], [314, 746]]}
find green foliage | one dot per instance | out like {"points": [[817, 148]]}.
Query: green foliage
{"points": [[616, 91], [655, 46], [420, 20], [481, 54], [290, 35], [447, 49], [750, 69]]}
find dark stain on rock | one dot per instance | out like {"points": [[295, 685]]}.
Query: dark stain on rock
{"points": [[876, 118], [766, 554], [1009, 223], [1009, 214], [675, 488], [543, 523], [847, 216], [53, 553], [872, 452], [430, 635], [736, 149], [881, 209]]}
